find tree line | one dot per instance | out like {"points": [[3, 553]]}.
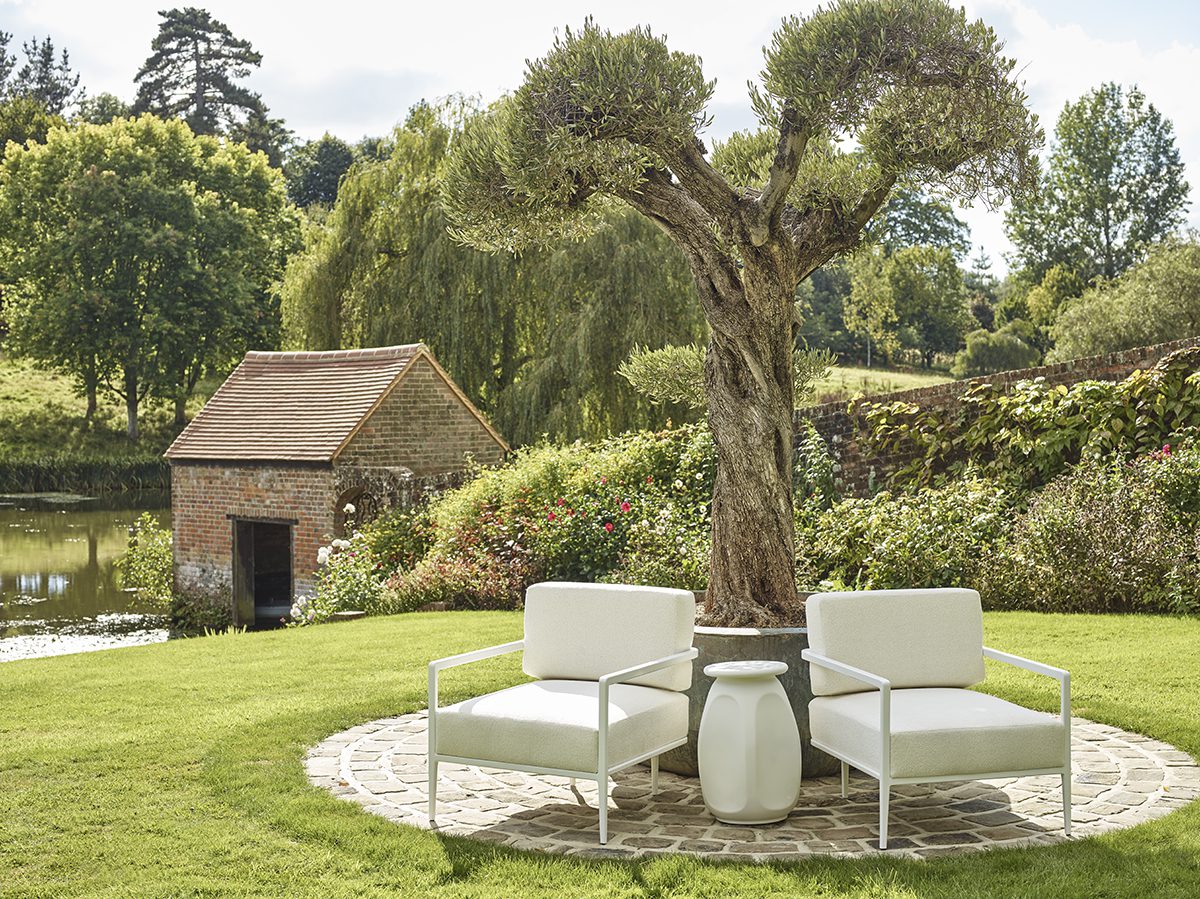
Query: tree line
{"points": [[145, 245]]}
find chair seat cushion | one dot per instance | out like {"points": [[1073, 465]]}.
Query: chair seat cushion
{"points": [[939, 731], [555, 724]]}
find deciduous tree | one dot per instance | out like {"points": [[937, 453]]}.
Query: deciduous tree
{"points": [[926, 97], [141, 255], [1113, 186]]}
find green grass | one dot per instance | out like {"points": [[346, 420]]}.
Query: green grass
{"points": [[846, 382], [175, 770], [41, 413]]}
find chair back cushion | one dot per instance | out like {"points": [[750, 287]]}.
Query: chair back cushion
{"points": [[914, 638], [583, 631]]}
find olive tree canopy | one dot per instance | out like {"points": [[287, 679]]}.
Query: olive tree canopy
{"points": [[855, 99]]}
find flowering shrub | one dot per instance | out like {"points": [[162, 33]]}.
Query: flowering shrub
{"points": [[669, 549], [311, 610], [479, 582]]}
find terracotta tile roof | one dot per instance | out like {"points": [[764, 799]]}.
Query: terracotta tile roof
{"points": [[298, 407]]}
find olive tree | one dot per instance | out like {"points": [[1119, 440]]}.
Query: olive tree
{"points": [[855, 99]]}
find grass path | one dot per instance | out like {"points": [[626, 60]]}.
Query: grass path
{"points": [[175, 770]]}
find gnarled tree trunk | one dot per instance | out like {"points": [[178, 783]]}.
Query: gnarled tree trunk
{"points": [[749, 383]]}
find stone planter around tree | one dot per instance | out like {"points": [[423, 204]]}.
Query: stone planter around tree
{"points": [[729, 644]]}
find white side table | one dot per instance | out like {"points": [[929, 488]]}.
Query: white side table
{"points": [[749, 745]]}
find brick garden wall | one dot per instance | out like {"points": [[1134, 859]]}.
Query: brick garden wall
{"points": [[860, 474], [424, 426]]}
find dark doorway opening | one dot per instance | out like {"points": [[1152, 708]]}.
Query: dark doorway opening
{"points": [[262, 572]]}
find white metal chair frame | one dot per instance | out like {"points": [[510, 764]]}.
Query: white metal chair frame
{"points": [[603, 767], [883, 773]]}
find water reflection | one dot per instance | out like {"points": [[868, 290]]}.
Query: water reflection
{"points": [[58, 590]]}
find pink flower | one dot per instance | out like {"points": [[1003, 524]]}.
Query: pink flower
{"points": [[625, 507], [608, 526], [1166, 450], [550, 517], [561, 501], [603, 481]]}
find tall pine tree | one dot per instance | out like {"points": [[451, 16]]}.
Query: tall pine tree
{"points": [[194, 74]]}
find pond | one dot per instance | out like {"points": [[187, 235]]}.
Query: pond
{"points": [[58, 590]]}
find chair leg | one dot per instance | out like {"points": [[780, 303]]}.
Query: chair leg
{"points": [[1066, 794], [884, 795], [845, 778], [654, 775], [433, 776], [602, 799]]}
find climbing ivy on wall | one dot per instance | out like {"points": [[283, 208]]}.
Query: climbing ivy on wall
{"points": [[1034, 431]]}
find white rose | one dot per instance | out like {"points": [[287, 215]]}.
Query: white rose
{"points": [[349, 509]]}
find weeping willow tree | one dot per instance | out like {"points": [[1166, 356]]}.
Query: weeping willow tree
{"points": [[535, 339]]}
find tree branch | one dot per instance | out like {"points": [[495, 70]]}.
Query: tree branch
{"points": [[708, 186], [793, 138]]}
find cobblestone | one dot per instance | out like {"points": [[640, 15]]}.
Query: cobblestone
{"points": [[1121, 779]]}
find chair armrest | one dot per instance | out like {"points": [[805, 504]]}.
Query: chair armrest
{"points": [[883, 685], [858, 674], [1059, 674], [476, 655], [628, 674], [619, 677], [463, 659]]}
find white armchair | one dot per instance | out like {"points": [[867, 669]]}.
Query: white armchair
{"points": [[611, 662], [890, 670]]}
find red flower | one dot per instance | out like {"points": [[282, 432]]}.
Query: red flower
{"points": [[561, 500], [604, 481], [550, 517], [649, 479], [625, 507], [570, 512], [608, 526]]}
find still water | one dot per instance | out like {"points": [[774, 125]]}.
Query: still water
{"points": [[58, 591]]}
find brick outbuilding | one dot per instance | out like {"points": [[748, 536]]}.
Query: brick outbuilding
{"points": [[260, 478]]}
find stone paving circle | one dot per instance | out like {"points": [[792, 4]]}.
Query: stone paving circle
{"points": [[1121, 779]]}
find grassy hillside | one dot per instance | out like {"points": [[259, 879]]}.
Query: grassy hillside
{"points": [[176, 769], [844, 383]]}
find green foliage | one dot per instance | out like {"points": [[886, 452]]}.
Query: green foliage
{"points": [[478, 582], [912, 298], [193, 73], [147, 567], [23, 119], [1058, 287], [52, 472], [46, 79], [1034, 431], [195, 613], [101, 109], [1118, 537], [142, 256], [1113, 186], [675, 374], [536, 341], [987, 352], [1155, 301], [315, 168], [911, 218], [929, 538]]}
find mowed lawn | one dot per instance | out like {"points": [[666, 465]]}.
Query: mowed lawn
{"points": [[175, 770]]}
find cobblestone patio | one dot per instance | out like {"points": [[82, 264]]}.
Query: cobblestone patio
{"points": [[1121, 779]]}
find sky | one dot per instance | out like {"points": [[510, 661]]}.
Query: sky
{"points": [[354, 68]]}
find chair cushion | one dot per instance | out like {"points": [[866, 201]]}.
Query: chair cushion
{"points": [[914, 638], [939, 731], [555, 724], [583, 631]]}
